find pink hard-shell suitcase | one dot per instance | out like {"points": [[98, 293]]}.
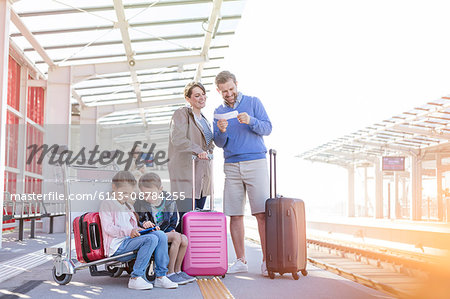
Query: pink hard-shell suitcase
{"points": [[206, 231]]}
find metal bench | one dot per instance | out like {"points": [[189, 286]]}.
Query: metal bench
{"points": [[22, 210]]}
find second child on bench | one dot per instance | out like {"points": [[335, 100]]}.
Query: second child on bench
{"points": [[159, 210], [121, 235]]}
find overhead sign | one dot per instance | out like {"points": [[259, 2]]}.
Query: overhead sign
{"points": [[393, 164]]}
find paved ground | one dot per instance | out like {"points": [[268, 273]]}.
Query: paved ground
{"points": [[37, 282]]}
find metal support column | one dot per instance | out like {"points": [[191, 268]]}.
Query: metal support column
{"points": [[416, 183], [397, 212], [57, 124], [351, 191], [22, 142], [366, 194], [88, 128], [5, 13], [378, 190], [440, 193]]}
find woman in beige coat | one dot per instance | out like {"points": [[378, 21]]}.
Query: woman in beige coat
{"points": [[190, 134]]}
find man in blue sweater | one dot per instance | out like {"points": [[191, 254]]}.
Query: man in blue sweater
{"points": [[239, 126]]}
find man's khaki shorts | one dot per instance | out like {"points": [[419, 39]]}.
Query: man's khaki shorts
{"points": [[241, 177]]}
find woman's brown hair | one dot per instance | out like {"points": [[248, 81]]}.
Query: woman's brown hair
{"points": [[190, 86]]}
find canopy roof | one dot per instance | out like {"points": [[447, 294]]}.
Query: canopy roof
{"points": [[418, 130], [165, 44]]}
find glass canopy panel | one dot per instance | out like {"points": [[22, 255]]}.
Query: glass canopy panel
{"points": [[232, 7], [13, 29], [71, 37], [86, 85], [163, 77], [165, 30], [228, 25], [112, 89], [65, 21], [78, 56], [111, 102], [50, 5], [163, 97], [91, 99], [77, 40], [162, 13], [178, 43]]}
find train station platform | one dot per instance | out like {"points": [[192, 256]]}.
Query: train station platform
{"points": [[420, 236], [33, 278]]}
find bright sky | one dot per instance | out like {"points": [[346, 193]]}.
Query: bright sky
{"points": [[327, 68]]}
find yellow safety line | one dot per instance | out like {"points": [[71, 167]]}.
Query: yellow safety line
{"points": [[222, 286], [209, 289], [214, 289], [206, 292], [202, 288]]}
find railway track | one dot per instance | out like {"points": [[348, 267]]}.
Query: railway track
{"points": [[398, 273]]}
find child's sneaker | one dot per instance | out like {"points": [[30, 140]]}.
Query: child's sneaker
{"points": [[165, 283], [174, 277], [187, 277], [139, 284]]}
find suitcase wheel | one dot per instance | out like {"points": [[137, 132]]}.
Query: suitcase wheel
{"points": [[304, 272], [223, 276], [61, 279], [129, 267], [271, 275], [150, 271], [115, 271], [295, 275]]}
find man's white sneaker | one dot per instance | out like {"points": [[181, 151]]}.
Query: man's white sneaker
{"points": [[238, 267], [264, 269], [164, 282], [139, 284]]}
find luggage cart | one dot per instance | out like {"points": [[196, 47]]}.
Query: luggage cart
{"points": [[64, 266]]}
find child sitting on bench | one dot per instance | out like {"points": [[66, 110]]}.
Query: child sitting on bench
{"points": [[121, 235], [158, 209]]}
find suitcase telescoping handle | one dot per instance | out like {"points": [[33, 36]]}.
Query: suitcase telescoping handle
{"points": [[211, 198], [273, 172]]}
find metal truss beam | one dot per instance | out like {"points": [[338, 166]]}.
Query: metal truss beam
{"points": [[30, 38], [143, 89], [118, 42], [126, 41], [424, 132], [106, 8], [142, 82], [213, 24], [84, 72], [104, 111], [135, 25], [383, 146], [135, 55]]}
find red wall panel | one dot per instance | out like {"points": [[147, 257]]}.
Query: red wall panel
{"points": [[13, 84], [35, 105]]}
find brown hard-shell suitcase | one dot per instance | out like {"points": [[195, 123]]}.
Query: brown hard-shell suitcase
{"points": [[285, 231]]}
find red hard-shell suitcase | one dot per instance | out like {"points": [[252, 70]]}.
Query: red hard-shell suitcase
{"points": [[87, 232], [206, 231], [285, 232]]}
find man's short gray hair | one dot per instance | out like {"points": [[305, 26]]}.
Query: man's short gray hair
{"points": [[224, 77]]}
